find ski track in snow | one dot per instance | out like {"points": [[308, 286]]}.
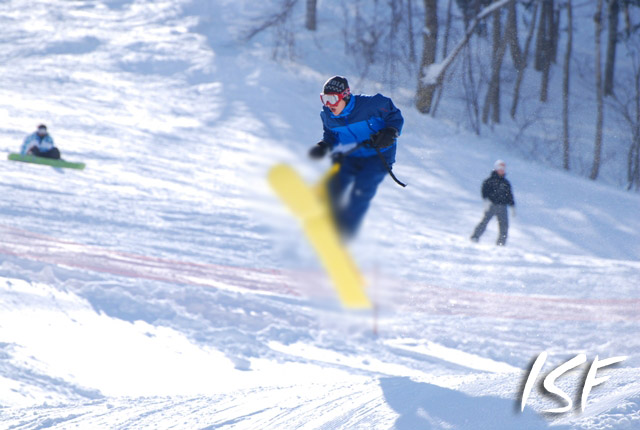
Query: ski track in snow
{"points": [[164, 287], [32, 246]]}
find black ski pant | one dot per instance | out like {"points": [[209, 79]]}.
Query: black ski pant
{"points": [[500, 211], [52, 153]]}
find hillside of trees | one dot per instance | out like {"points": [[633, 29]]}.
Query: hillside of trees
{"points": [[557, 80]]}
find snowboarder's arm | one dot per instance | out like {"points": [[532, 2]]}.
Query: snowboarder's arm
{"points": [[327, 136], [391, 115], [26, 144]]}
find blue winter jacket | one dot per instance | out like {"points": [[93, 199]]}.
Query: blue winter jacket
{"points": [[44, 143], [361, 117]]}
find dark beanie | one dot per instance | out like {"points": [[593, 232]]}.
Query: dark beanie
{"points": [[337, 84]]}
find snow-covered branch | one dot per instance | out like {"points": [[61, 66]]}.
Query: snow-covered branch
{"points": [[434, 73]]}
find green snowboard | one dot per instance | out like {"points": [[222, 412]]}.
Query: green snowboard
{"points": [[46, 161]]}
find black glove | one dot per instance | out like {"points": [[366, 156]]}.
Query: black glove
{"points": [[337, 157], [383, 138], [319, 151]]}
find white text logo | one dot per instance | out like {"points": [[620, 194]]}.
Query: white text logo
{"points": [[549, 381]]}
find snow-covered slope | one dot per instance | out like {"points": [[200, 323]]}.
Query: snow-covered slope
{"points": [[165, 287]]}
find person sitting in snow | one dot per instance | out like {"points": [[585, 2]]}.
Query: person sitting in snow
{"points": [[497, 194], [40, 144], [361, 133]]}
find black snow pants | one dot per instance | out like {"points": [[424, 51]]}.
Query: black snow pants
{"points": [[52, 153]]}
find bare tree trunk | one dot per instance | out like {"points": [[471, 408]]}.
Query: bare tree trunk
{"points": [[511, 35], [541, 37], [412, 43], [445, 47], [392, 58], [597, 156], [633, 160], [565, 89], [627, 17], [311, 15], [633, 166], [427, 86], [525, 56], [447, 30], [612, 42], [555, 33], [546, 54], [492, 100], [471, 93]]}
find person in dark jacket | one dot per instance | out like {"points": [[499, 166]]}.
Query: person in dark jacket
{"points": [[497, 194], [349, 120]]}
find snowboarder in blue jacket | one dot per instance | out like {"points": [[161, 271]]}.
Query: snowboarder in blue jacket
{"points": [[40, 144], [360, 131]]}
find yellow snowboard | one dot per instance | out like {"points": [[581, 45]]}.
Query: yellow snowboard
{"points": [[312, 209]]}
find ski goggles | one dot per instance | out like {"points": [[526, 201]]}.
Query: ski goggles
{"points": [[334, 98]]}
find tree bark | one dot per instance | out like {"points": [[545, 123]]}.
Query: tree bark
{"points": [[412, 44], [565, 88], [627, 18], [492, 100], [633, 166], [612, 42], [445, 47], [511, 35], [426, 88], [555, 33], [597, 155], [311, 21], [471, 93], [540, 54], [525, 55], [546, 56]]}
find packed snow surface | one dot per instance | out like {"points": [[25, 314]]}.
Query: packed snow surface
{"points": [[166, 287]]}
